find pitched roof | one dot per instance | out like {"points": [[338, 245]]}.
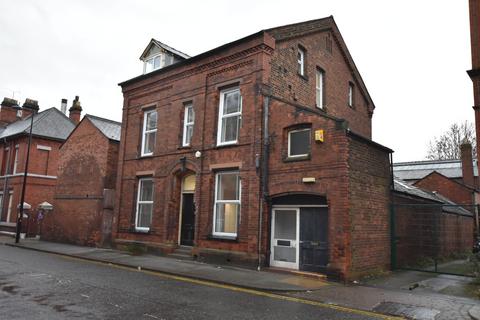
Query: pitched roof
{"points": [[416, 170], [50, 123], [307, 27], [279, 33], [110, 129], [447, 204], [170, 49]]}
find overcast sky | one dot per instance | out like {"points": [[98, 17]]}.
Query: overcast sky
{"points": [[412, 54]]}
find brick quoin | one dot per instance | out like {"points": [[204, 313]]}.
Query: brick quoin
{"points": [[351, 172]]}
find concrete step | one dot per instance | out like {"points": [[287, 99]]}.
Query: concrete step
{"points": [[184, 249], [182, 253], [180, 256], [305, 274]]}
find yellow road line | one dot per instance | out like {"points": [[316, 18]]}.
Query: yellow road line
{"points": [[245, 290]]}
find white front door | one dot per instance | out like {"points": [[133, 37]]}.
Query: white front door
{"points": [[285, 238]]}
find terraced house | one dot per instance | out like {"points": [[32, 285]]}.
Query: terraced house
{"points": [[50, 128], [258, 153]]}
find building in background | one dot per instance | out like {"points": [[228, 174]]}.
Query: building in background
{"points": [[50, 129], [83, 199], [258, 153], [428, 227]]}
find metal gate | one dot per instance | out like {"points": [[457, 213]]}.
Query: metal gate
{"points": [[434, 238]]}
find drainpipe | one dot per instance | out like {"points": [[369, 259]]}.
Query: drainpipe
{"points": [[264, 176], [393, 237]]}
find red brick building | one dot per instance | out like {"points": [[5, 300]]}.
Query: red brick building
{"points": [[50, 128], [83, 199], [257, 152], [428, 226], [455, 179], [474, 73]]}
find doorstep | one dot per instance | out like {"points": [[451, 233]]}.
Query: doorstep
{"points": [[305, 274]]}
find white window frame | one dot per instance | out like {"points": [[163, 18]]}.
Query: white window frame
{"points": [[301, 61], [15, 160], [290, 140], [140, 182], [152, 58], [186, 141], [145, 132], [319, 86], [239, 202], [221, 116], [350, 94]]}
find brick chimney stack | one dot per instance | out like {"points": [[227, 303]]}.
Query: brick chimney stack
{"points": [[467, 163], [75, 110], [29, 106], [9, 111], [474, 73]]}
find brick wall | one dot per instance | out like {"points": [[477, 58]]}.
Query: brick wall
{"points": [[288, 84], [327, 164], [86, 166], [424, 231], [369, 198], [198, 83]]}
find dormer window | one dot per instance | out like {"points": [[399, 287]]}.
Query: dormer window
{"points": [[158, 61], [153, 63], [158, 55]]}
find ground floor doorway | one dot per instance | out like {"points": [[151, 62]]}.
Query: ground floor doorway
{"points": [[299, 237], [187, 212]]}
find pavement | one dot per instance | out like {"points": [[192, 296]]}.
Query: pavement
{"points": [[250, 279], [413, 295], [39, 286]]}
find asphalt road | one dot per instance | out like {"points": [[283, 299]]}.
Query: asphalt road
{"points": [[35, 285]]}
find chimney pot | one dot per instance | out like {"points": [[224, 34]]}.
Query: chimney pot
{"points": [[9, 111], [63, 106], [75, 110]]}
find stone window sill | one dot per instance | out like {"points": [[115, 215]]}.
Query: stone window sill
{"points": [[294, 159], [222, 238]]}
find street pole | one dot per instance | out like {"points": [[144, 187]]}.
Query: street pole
{"points": [[22, 200]]}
